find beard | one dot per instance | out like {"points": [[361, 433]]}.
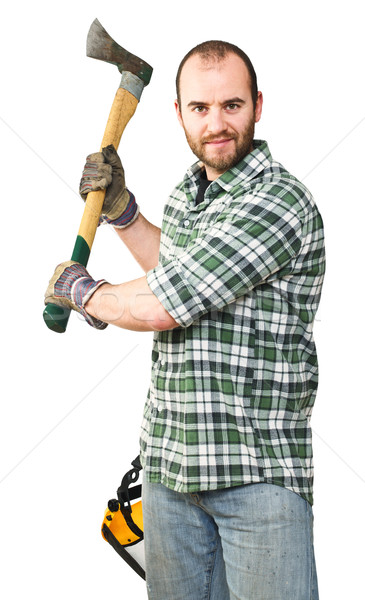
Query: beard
{"points": [[223, 161]]}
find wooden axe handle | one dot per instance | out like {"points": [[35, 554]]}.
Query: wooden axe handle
{"points": [[123, 108]]}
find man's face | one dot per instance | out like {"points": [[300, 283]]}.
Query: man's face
{"points": [[217, 111]]}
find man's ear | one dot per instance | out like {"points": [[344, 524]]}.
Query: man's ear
{"points": [[258, 107], [178, 113]]}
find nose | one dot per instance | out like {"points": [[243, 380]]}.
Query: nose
{"points": [[216, 121]]}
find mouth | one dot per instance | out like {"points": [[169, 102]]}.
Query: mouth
{"points": [[219, 142]]}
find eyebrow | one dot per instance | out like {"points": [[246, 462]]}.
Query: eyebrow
{"points": [[235, 100]]}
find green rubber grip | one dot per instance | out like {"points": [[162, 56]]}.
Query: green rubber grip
{"points": [[56, 317]]}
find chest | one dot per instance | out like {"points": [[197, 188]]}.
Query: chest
{"points": [[182, 225]]}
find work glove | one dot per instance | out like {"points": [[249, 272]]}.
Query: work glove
{"points": [[71, 286], [104, 171]]}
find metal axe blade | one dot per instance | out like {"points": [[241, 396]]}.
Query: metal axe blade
{"points": [[101, 46]]}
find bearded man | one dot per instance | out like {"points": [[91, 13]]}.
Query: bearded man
{"points": [[232, 284]]}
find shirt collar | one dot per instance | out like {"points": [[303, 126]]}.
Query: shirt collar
{"points": [[248, 168]]}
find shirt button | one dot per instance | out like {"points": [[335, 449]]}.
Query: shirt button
{"points": [[162, 362], [187, 223]]}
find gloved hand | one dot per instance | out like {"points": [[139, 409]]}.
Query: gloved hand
{"points": [[71, 286], [104, 170]]}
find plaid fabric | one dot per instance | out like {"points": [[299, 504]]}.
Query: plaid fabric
{"points": [[232, 389]]}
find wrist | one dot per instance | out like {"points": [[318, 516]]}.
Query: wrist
{"points": [[105, 304], [84, 289], [128, 216], [75, 286], [83, 293]]}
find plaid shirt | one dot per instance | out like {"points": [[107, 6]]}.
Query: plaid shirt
{"points": [[232, 388]]}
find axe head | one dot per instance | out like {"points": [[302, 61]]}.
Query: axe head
{"points": [[101, 46]]}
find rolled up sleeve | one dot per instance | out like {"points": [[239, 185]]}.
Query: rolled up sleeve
{"points": [[232, 257]]}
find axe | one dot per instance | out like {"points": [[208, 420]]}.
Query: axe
{"points": [[135, 75]]}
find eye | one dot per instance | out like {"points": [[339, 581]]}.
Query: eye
{"points": [[199, 109], [232, 106]]}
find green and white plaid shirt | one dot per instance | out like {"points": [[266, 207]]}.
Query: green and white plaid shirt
{"points": [[232, 388]]}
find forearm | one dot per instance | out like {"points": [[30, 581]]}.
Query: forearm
{"points": [[130, 305], [104, 170], [142, 239]]}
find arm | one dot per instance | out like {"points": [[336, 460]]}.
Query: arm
{"points": [[241, 250], [131, 306], [104, 170], [235, 255], [143, 241]]}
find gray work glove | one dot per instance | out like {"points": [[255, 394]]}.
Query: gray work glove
{"points": [[104, 171]]}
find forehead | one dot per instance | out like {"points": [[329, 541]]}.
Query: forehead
{"points": [[204, 79]]}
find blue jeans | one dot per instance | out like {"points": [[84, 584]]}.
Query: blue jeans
{"points": [[252, 542]]}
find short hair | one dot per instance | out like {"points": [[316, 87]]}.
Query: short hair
{"points": [[216, 50]]}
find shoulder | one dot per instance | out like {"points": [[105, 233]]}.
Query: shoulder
{"points": [[278, 190]]}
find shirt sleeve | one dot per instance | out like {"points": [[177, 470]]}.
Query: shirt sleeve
{"points": [[237, 253]]}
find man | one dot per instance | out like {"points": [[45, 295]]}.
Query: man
{"points": [[232, 285]]}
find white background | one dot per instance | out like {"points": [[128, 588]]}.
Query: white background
{"points": [[71, 404]]}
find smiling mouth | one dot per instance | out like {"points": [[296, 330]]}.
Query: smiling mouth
{"points": [[218, 142]]}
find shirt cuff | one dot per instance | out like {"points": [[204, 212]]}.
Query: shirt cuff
{"points": [[175, 293]]}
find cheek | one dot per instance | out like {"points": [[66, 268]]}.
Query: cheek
{"points": [[245, 124], [193, 127]]}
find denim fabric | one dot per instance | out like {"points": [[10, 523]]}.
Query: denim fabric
{"points": [[252, 542]]}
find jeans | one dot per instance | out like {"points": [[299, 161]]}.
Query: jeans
{"points": [[251, 542]]}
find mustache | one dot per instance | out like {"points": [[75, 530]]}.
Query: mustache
{"points": [[213, 138]]}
